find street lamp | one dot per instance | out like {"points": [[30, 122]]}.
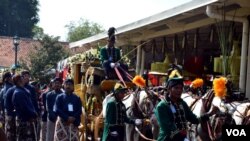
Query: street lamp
{"points": [[16, 41]]}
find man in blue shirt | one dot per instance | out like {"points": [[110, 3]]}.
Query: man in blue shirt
{"points": [[69, 109], [50, 102], [7, 84], [34, 96], [10, 114], [44, 112], [26, 77], [25, 111]]}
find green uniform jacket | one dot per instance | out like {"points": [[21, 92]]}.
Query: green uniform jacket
{"points": [[105, 55], [111, 117], [166, 122]]}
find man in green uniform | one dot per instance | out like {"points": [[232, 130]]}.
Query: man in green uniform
{"points": [[114, 123], [173, 113], [110, 55]]}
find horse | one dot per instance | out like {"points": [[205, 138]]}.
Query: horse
{"points": [[140, 104], [199, 106], [236, 113], [227, 112], [240, 112], [217, 121]]}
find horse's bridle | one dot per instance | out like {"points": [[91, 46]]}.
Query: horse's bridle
{"points": [[205, 106], [149, 95], [246, 118], [144, 115], [192, 106]]}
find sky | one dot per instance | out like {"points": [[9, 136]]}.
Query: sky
{"points": [[55, 14]]}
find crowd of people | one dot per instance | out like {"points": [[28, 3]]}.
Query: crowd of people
{"points": [[27, 115], [54, 114]]}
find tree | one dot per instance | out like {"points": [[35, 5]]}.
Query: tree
{"points": [[45, 58], [38, 32], [18, 17], [82, 29]]}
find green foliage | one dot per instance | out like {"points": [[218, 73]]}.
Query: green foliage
{"points": [[18, 17], [45, 58], [38, 32], [82, 29]]}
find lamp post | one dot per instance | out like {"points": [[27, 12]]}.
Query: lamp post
{"points": [[16, 40]]}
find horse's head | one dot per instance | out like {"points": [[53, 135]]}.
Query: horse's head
{"points": [[219, 93], [213, 128], [218, 121], [140, 102], [223, 88], [246, 118], [229, 95], [147, 102], [213, 98], [207, 101], [195, 87]]}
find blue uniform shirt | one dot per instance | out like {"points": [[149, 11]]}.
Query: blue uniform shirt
{"points": [[8, 105], [69, 105], [50, 102], [23, 104], [6, 86], [33, 96]]}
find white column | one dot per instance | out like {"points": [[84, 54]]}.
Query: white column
{"points": [[142, 61], [248, 71]]}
